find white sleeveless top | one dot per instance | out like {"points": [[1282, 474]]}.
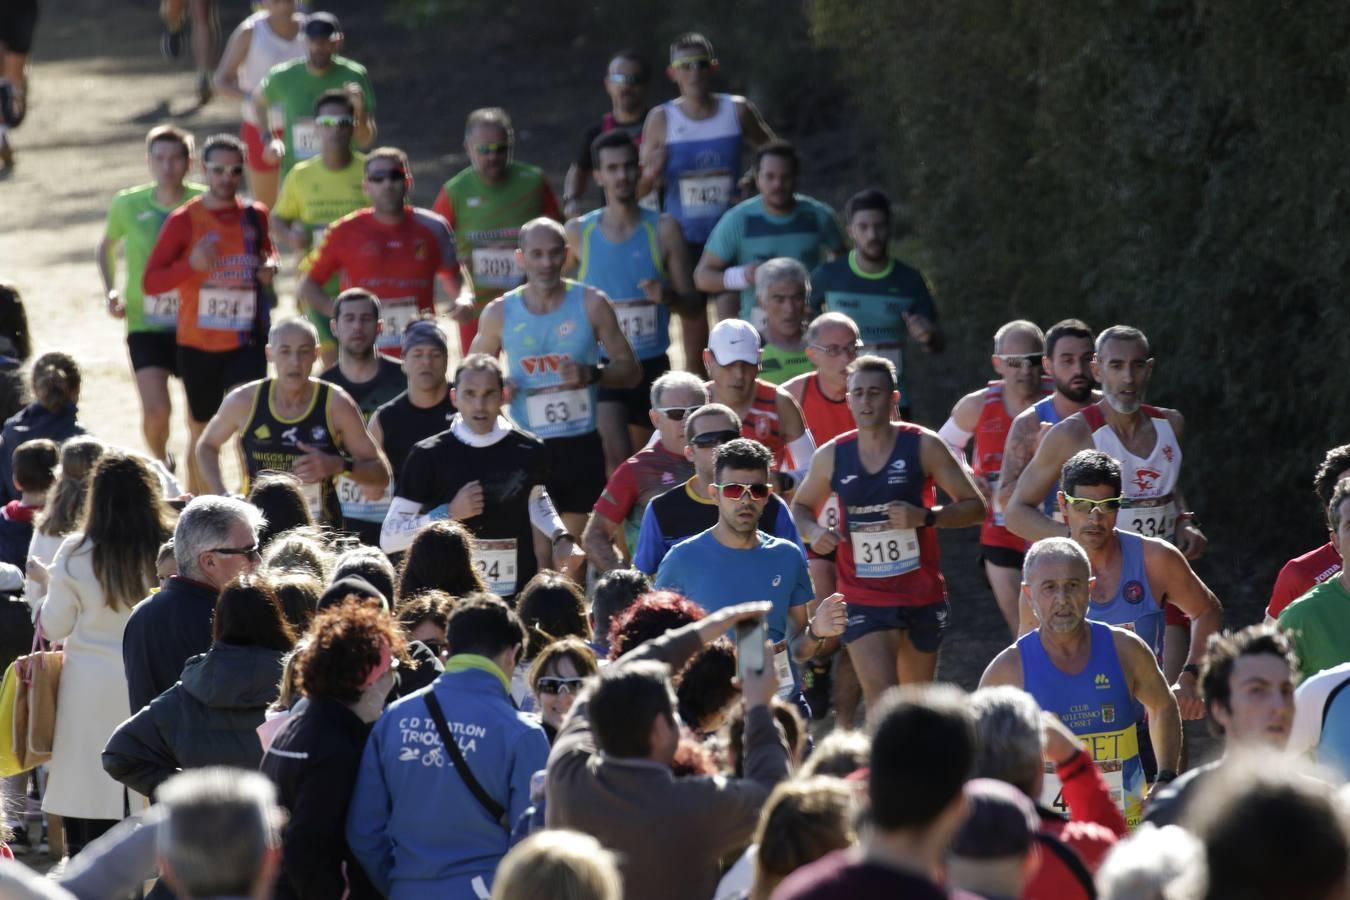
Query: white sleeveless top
{"points": [[265, 50], [1148, 484]]}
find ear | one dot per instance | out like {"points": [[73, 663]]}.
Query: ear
{"points": [[689, 451], [1062, 504], [454, 398], [708, 359], [655, 418]]}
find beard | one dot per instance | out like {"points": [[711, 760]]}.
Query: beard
{"points": [[1075, 394]]}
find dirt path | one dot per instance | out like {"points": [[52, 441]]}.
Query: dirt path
{"points": [[99, 84]]}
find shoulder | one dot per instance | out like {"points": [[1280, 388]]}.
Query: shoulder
{"points": [[1130, 647], [796, 385], [1308, 603], [130, 195], [1005, 668], [351, 65], [459, 179], [526, 171], [352, 220], [832, 269], [525, 440], [971, 403]]}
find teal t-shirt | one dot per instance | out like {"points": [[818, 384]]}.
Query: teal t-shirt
{"points": [[746, 234], [877, 303], [1319, 625], [136, 218], [293, 89]]}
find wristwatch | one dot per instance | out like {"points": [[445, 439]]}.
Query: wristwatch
{"points": [[930, 518], [1165, 776], [564, 534], [1193, 669]]}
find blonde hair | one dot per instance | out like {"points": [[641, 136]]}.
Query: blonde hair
{"points": [[561, 865], [802, 821], [62, 513]]}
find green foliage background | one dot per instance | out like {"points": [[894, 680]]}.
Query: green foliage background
{"points": [[1179, 166]]}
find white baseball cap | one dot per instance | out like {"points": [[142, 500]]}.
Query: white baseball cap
{"points": [[734, 340]]}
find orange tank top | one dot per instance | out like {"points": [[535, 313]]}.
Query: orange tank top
{"points": [[221, 309]]}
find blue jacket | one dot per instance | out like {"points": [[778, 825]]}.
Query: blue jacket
{"points": [[32, 422], [415, 827]]}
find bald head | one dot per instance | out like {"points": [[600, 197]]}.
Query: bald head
{"points": [[542, 228], [293, 328]]}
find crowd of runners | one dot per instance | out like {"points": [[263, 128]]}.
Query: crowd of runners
{"points": [[586, 547]]}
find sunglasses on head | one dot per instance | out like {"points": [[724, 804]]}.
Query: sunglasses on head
{"points": [[334, 121], [1020, 360], [621, 78], [692, 62], [218, 169], [490, 149], [675, 413], [714, 438], [550, 684], [735, 491], [391, 175], [1086, 504]]}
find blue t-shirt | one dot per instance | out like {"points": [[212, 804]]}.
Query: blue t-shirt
{"points": [[746, 234], [716, 576]]}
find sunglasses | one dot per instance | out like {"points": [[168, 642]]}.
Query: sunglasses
{"points": [[391, 175], [620, 78], [491, 149], [698, 63], [1020, 360], [676, 413], [334, 121], [554, 685], [839, 349], [218, 169], [238, 551], [1084, 504], [734, 491], [714, 438], [437, 647]]}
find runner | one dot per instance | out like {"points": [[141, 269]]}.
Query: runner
{"points": [[424, 409], [267, 38], [688, 509], [887, 549], [781, 287], [832, 343], [653, 470], [549, 329], [295, 423], [1093, 676], [1146, 440], [488, 204], [1068, 361], [1302, 573], [777, 222], [318, 192], [411, 246], [18, 20], [489, 474], [691, 149], [986, 414], [639, 259], [205, 34], [215, 251], [733, 560], [768, 414], [1317, 621], [134, 220], [888, 299], [1133, 576], [371, 379], [292, 88], [626, 82]]}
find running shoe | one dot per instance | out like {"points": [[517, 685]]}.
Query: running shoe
{"points": [[171, 42]]}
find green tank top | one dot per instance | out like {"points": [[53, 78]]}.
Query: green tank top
{"points": [[487, 219], [777, 365]]}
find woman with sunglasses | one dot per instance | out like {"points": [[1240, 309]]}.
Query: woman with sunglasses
{"points": [[556, 678], [100, 572]]}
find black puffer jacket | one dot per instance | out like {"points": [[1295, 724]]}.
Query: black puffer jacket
{"points": [[209, 718]]}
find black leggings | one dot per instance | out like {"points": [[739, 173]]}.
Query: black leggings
{"points": [[80, 832]]}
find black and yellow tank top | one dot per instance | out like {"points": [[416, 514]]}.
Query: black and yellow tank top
{"points": [[272, 443]]}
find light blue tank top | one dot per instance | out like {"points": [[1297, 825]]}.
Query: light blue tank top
{"points": [[1097, 706], [616, 269], [1045, 409], [1133, 606], [703, 161], [536, 346]]}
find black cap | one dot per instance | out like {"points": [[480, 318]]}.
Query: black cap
{"points": [[322, 25], [352, 584]]}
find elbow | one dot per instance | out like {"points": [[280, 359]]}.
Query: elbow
{"points": [[707, 281]]}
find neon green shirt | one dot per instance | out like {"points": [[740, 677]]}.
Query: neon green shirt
{"points": [[136, 218], [1319, 625], [293, 89]]}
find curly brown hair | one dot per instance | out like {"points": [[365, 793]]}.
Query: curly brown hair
{"points": [[344, 643]]}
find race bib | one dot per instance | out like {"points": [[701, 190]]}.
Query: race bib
{"points": [[993, 493], [891, 352], [305, 141], [496, 267], [1153, 518], [787, 686], [828, 514], [313, 499], [705, 193], [161, 310], [554, 412], [880, 551], [226, 308], [638, 319], [352, 499], [496, 560], [1052, 789], [397, 314]]}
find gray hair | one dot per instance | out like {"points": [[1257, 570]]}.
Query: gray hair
{"points": [[300, 550], [218, 827], [1018, 326], [678, 379], [710, 409], [205, 524], [781, 268], [842, 752], [1166, 863], [1009, 740], [1122, 333], [1054, 548], [824, 320], [293, 323]]}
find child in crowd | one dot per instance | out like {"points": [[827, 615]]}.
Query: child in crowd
{"points": [[34, 470]]}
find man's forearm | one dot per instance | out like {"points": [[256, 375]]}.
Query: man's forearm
{"points": [[1165, 733], [208, 460], [313, 295], [1029, 523], [599, 547]]}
